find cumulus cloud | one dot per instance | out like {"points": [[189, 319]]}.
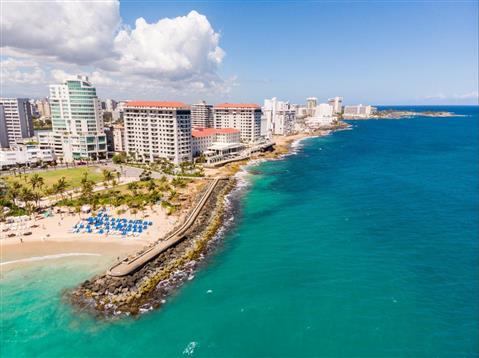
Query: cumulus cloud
{"points": [[78, 37], [74, 32], [183, 47], [21, 71]]}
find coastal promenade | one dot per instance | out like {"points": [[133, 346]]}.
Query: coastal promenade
{"points": [[128, 266]]}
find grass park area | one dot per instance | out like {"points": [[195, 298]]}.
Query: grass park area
{"points": [[73, 176]]}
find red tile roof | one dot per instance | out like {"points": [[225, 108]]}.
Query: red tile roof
{"points": [[237, 105], [205, 132], [227, 130], [162, 104]]}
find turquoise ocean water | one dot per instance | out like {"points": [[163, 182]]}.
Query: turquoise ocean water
{"points": [[363, 243]]}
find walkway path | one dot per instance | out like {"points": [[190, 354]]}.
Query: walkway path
{"points": [[126, 267]]}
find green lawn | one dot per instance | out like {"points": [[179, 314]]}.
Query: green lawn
{"points": [[73, 176]]}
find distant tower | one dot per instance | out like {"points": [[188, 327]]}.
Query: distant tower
{"points": [[311, 104], [337, 104], [202, 115]]}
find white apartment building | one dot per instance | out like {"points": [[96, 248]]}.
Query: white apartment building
{"points": [[25, 155], [156, 130], [77, 120], [118, 138], [359, 111], [279, 116], [204, 138], [301, 111], [337, 104], [16, 120], [311, 103], [217, 145], [202, 115], [323, 110], [244, 117], [323, 116], [43, 108], [110, 105]]}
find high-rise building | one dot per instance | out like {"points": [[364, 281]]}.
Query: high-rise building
{"points": [[201, 115], [359, 111], [311, 103], [244, 117], [280, 117], [76, 120], [43, 108], [17, 118], [156, 130], [110, 105], [337, 104], [3, 129], [118, 137], [323, 110]]}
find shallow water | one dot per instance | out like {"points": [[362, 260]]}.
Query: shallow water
{"points": [[363, 243]]}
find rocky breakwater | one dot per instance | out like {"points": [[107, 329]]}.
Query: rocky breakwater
{"points": [[149, 287]]}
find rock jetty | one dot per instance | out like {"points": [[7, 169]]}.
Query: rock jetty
{"points": [[149, 287]]}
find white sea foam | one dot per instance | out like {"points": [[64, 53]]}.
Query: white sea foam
{"points": [[190, 348], [47, 257]]}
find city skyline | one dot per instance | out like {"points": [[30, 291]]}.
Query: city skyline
{"points": [[245, 53]]}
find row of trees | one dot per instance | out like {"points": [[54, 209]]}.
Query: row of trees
{"points": [[24, 194], [163, 165], [137, 196]]}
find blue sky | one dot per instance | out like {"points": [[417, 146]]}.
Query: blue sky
{"points": [[368, 51]]}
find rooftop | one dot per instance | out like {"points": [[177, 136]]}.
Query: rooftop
{"points": [[205, 132], [237, 105], [159, 104]]}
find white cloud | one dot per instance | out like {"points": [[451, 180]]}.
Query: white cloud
{"points": [[178, 54], [79, 32], [21, 71], [436, 96], [183, 47], [470, 95]]}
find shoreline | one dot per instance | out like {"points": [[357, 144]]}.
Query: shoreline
{"points": [[150, 286]]}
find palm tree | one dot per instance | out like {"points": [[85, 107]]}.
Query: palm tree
{"points": [[36, 181], [151, 186], [107, 176], [36, 197], [86, 186], [61, 186], [133, 187], [14, 191], [26, 195]]}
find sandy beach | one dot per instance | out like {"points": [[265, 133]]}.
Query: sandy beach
{"points": [[54, 236]]}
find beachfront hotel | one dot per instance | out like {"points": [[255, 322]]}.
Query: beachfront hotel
{"points": [[78, 131], [359, 111], [155, 129], [15, 121], [279, 116], [202, 115], [337, 104], [216, 144], [311, 103], [244, 117]]}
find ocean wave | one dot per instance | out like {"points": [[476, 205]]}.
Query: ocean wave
{"points": [[47, 257]]}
